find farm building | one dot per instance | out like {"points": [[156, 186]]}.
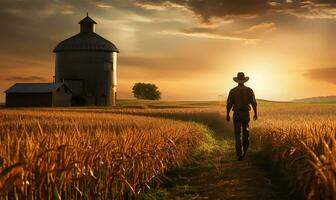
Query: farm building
{"points": [[38, 95], [87, 63]]}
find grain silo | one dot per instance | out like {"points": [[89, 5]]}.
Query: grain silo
{"points": [[87, 63]]}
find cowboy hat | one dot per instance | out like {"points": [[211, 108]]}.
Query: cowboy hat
{"points": [[241, 78]]}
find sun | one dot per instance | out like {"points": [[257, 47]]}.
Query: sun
{"points": [[265, 78], [257, 80]]}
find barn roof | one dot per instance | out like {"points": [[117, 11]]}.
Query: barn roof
{"points": [[86, 42], [34, 87]]}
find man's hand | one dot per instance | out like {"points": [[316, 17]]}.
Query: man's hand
{"points": [[228, 118], [255, 117]]}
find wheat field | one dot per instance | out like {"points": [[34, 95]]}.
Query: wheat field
{"points": [[71, 155], [87, 153], [301, 139]]}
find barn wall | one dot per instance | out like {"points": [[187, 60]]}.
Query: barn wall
{"points": [[61, 98], [28, 99], [92, 70]]}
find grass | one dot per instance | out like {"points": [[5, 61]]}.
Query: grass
{"points": [[199, 160]]}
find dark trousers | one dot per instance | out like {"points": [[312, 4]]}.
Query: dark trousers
{"points": [[241, 121]]}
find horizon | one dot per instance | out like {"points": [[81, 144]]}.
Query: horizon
{"points": [[305, 100], [283, 46]]}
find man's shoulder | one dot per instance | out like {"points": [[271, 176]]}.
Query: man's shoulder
{"points": [[233, 89], [248, 88], [241, 88]]}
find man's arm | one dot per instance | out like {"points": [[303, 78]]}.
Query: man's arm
{"points": [[229, 104], [254, 106]]}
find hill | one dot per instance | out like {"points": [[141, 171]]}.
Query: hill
{"points": [[321, 99]]}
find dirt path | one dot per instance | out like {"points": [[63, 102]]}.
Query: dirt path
{"points": [[218, 175]]}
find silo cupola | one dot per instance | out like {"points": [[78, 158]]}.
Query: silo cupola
{"points": [[87, 25]]}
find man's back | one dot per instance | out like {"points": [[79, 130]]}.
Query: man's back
{"points": [[240, 98]]}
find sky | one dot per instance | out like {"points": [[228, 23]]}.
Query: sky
{"points": [[190, 49]]}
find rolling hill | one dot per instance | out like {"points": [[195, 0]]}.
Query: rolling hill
{"points": [[320, 99]]}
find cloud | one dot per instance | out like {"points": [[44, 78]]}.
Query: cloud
{"points": [[207, 10], [262, 27], [165, 67], [314, 10], [26, 78], [164, 62], [322, 74], [103, 5], [209, 33], [31, 29], [152, 6]]}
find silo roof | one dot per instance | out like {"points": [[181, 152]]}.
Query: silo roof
{"points": [[86, 42], [34, 87]]}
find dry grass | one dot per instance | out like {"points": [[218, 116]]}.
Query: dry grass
{"points": [[72, 155], [302, 140], [118, 153]]}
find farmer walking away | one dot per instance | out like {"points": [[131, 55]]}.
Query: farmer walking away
{"points": [[239, 100]]}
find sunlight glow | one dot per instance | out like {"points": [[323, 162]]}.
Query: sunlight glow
{"points": [[265, 78]]}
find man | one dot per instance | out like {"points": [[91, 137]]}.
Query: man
{"points": [[240, 98]]}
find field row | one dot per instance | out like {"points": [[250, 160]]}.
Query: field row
{"points": [[301, 139], [71, 155]]}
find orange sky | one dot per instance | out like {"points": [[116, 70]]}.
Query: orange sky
{"points": [[190, 49]]}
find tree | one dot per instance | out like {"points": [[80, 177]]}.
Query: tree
{"points": [[146, 91]]}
